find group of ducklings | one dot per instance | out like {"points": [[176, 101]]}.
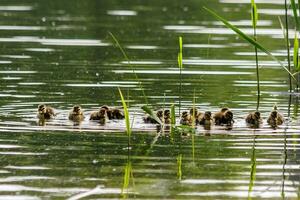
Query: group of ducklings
{"points": [[76, 114], [193, 117], [222, 117]]}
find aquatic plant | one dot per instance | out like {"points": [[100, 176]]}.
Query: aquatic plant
{"points": [[126, 180], [173, 122], [287, 42], [254, 19], [249, 40], [126, 113], [180, 65], [296, 40], [150, 112], [129, 63], [179, 165], [253, 167]]}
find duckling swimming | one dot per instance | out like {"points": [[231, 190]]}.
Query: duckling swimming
{"points": [[167, 117], [186, 119], [196, 114], [100, 115], [275, 119], [254, 119], [206, 119], [113, 113], [45, 112], [164, 117], [76, 114], [224, 116]]}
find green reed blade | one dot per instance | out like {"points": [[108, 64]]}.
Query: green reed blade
{"points": [[129, 63], [126, 113], [180, 53], [254, 14], [152, 114], [283, 30], [294, 8], [253, 169], [248, 39], [296, 53], [173, 121], [179, 165], [126, 179]]}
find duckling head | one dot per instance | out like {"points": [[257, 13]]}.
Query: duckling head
{"points": [[207, 115], [77, 109], [228, 115], [184, 114], [274, 114], [102, 112], [223, 110], [159, 113], [42, 109], [193, 111], [167, 113], [256, 115], [105, 107]]}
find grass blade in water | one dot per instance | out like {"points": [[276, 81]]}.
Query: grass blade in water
{"points": [[248, 39], [126, 113], [152, 115], [179, 164], [173, 121]]}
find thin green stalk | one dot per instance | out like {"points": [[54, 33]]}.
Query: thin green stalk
{"points": [[254, 17], [173, 122], [129, 63], [287, 43], [253, 168], [179, 165], [180, 65], [126, 113]]}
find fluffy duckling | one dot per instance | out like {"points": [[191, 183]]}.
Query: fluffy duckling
{"points": [[275, 119], [196, 114], [167, 117], [76, 114], [254, 119], [206, 119], [45, 112], [100, 115], [186, 118], [113, 113], [224, 116]]}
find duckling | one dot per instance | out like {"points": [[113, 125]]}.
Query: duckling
{"points": [[113, 113], [196, 114], [76, 114], [224, 116], [45, 112], [99, 115], [206, 119], [275, 119], [254, 119], [167, 117], [186, 118], [102, 116]]}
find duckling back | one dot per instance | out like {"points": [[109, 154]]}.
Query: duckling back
{"points": [[76, 114], [45, 112]]}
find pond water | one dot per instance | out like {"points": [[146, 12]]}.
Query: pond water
{"points": [[59, 52]]}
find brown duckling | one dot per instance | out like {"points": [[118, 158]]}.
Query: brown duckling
{"points": [[196, 114], [45, 112], [76, 114], [164, 117], [224, 116], [186, 118], [113, 113], [167, 117], [254, 119], [275, 119], [100, 115], [206, 119]]}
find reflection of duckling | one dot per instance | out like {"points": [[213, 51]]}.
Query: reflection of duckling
{"points": [[275, 118], [254, 119], [45, 112], [76, 114], [225, 116], [206, 119], [186, 118], [99, 115]]}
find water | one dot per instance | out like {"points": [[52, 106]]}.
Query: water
{"points": [[60, 53]]}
